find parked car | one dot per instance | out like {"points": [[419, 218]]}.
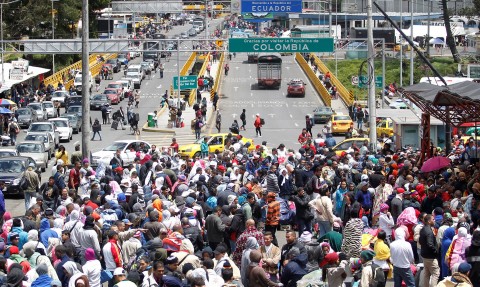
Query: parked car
{"points": [[44, 137], [39, 109], [113, 95], [75, 122], [11, 171], [192, 32], [98, 101], [322, 114], [26, 116], [122, 58], [119, 87], [117, 66], [60, 96], [8, 152], [127, 148], [75, 110], [63, 127], [184, 35], [45, 127], [35, 150], [74, 101], [50, 109]]}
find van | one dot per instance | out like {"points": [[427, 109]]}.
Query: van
{"points": [[136, 74], [77, 82]]}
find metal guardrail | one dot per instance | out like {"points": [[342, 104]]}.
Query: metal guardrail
{"points": [[344, 94], [63, 74], [317, 84], [188, 64], [217, 77], [193, 93]]}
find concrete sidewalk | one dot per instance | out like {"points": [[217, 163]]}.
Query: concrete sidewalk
{"points": [[183, 135], [337, 104]]}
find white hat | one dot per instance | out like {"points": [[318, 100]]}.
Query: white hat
{"points": [[119, 271]]}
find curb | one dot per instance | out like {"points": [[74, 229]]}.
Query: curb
{"points": [[145, 127]]}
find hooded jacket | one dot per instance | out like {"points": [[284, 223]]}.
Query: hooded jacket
{"points": [[251, 244], [446, 241], [42, 281], [23, 237], [46, 232], [294, 270]]}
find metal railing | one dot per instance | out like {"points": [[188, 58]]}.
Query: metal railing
{"points": [[216, 82], [316, 83], [193, 92]]}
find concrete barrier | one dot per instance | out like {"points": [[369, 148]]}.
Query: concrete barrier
{"points": [[344, 93], [317, 84]]}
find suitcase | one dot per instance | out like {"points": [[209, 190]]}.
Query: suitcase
{"points": [[114, 125]]}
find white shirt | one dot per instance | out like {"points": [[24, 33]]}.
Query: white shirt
{"points": [[92, 269], [401, 253]]}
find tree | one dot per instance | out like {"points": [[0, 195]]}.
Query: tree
{"points": [[450, 40]]}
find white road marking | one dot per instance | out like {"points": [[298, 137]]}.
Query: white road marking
{"points": [[286, 105], [234, 115], [235, 88], [296, 124], [291, 116], [271, 115], [159, 87]]}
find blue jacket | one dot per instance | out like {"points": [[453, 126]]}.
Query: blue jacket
{"points": [[365, 199], [2, 203], [23, 237], [330, 142], [42, 281], [294, 270], [61, 274], [46, 232]]}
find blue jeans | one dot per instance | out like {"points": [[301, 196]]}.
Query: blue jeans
{"points": [[404, 274], [233, 245], [197, 133], [324, 227], [359, 123], [28, 198]]}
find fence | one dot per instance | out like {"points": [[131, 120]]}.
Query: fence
{"points": [[344, 94], [317, 84], [216, 84]]}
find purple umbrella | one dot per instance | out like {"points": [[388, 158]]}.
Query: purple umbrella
{"points": [[435, 163]]}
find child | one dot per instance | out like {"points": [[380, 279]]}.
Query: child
{"points": [[333, 270]]}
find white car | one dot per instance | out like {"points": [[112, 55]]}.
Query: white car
{"points": [[35, 150], [63, 127], [127, 149], [48, 127], [399, 104], [8, 152], [39, 109], [49, 109], [127, 85], [60, 96]]}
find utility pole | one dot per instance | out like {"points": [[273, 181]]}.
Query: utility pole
{"points": [[401, 45], [85, 83], [53, 37], [371, 76], [428, 29], [178, 73], [411, 48]]}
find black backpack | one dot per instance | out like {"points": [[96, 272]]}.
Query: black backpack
{"points": [[309, 186], [262, 121], [378, 276]]}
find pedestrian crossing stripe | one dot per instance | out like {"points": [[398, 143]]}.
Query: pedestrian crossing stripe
{"points": [[166, 140]]}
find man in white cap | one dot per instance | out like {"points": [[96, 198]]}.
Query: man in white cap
{"points": [[33, 181], [258, 125], [120, 278]]}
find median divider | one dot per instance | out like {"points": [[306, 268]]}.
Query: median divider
{"points": [[314, 80], [344, 94]]}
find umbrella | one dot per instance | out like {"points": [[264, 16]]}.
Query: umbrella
{"points": [[436, 41], [5, 102], [5, 111], [435, 163]]}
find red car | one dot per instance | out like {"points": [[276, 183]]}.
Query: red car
{"points": [[296, 88], [113, 95], [119, 88]]}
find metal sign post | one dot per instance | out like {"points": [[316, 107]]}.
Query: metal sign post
{"points": [[85, 83]]}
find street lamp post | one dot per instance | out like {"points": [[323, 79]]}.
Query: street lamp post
{"points": [[1, 32], [53, 36]]}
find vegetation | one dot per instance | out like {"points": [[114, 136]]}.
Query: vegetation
{"points": [[348, 68]]}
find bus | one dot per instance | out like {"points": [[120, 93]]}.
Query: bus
{"points": [[269, 71], [154, 54], [316, 31]]}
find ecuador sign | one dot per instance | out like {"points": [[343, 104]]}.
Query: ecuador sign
{"points": [[280, 45], [265, 6]]}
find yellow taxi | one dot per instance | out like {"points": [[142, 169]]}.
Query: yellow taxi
{"points": [[341, 123], [348, 143], [215, 142], [384, 126]]}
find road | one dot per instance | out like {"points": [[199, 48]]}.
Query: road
{"points": [[284, 116], [150, 96]]}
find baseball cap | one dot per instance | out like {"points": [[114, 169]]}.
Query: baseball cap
{"points": [[127, 222], [119, 271]]}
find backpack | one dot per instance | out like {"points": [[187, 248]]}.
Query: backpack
{"points": [[378, 276], [287, 214], [262, 121], [309, 186], [24, 183]]}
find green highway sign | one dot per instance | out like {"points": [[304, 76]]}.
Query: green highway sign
{"points": [[186, 82], [363, 81], [378, 81], [280, 45]]}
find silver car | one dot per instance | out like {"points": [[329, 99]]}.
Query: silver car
{"points": [[47, 140], [26, 116], [49, 109], [48, 127], [38, 108], [35, 150]]}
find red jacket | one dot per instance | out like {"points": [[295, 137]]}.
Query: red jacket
{"points": [[257, 123]]}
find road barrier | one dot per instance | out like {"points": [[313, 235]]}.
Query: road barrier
{"points": [[216, 84], [188, 64], [317, 84], [193, 92], [344, 93]]}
